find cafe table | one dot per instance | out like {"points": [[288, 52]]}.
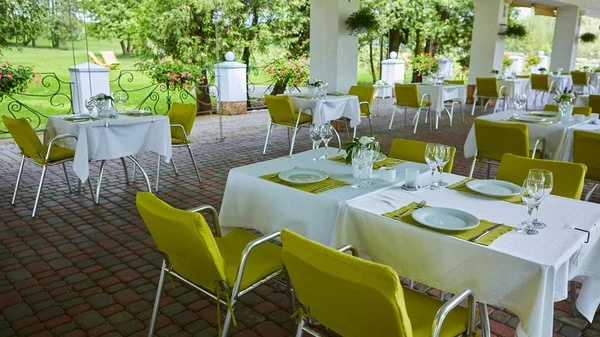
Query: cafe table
{"points": [[438, 94], [328, 108], [125, 136], [558, 140], [562, 82], [514, 87]]}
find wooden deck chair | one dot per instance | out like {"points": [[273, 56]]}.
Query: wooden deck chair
{"points": [[96, 60], [110, 59]]}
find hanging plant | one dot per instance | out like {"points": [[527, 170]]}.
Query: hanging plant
{"points": [[588, 37], [515, 30], [362, 21]]}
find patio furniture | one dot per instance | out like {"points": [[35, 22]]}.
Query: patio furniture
{"points": [[488, 88], [330, 284], [594, 103], [541, 84], [514, 139], [328, 108], [577, 110], [407, 97], [440, 95], [365, 100], [110, 59], [181, 119], [282, 113], [453, 101], [97, 61], [568, 177], [585, 151], [222, 267], [414, 150], [563, 82], [43, 155], [514, 87], [581, 82]]}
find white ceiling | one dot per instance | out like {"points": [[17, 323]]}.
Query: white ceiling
{"points": [[591, 7]]}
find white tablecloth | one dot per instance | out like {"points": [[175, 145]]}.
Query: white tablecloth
{"points": [[525, 274], [330, 108], [252, 202], [441, 93], [125, 136], [515, 86], [595, 80], [562, 82], [554, 135]]}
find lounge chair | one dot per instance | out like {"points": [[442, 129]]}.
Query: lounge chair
{"points": [[110, 59]]}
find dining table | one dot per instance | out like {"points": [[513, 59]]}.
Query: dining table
{"points": [[557, 136], [562, 82], [327, 108], [514, 87], [525, 274], [439, 94]]}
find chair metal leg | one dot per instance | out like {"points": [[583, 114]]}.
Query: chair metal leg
{"points": [[573, 291], [416, 120], [354, 133], [370, 125], [125, 170], [473, 167], [89, 181], [228, 319], [485, 320], [462, 113], [14, 198], [474, 105], [174, 167], [100, 172], [587, 196], [157, 173], [411, 284], [291, 292], [392, 119], [348, 129], [134, 169], [300, 327], [67, 177], [39, 191], [78, 186], [161, 281], [293, 140], [405, 117], [337, 134], [267, 139], [489, 165], [194, 163], [135, 162]]}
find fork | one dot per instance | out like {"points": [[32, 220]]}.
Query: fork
{"points": [[420, 205]]}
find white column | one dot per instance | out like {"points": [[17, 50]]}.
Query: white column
{"points": [[566, 38], [333, 51], [487, 47]]}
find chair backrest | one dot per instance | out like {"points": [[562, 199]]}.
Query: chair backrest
{"points": [[585, 151], [280, 109], [345, 293], [579, 77], [514, 139], [577, 110], [594, 103], [487, 87], [184, 114], [540, 82], [551, 107], [568, 177], [456, 82], [185, 238], [414, 150], [365, 94], [95, 59], [523, 76], [25, 137], [407, 95], [109, 57]]}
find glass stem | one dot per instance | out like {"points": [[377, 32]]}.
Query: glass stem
{"points": [[529, 216], [535, 217]]}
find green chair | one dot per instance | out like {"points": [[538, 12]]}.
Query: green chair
{"points": [[577, 110], [581, 82], [359, 298], [585, 151], [407, 96], [282, 113], [365, 100], [414, 150], [540, 83], [487, 87], [594, 103]]}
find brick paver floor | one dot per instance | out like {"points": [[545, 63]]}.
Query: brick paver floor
{"points": [[81, 269]]}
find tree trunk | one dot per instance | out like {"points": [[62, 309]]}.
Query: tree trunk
{"points": [[279, 88], [26, 42], [394, 40], [33, 44], [246, 53], [416, 77], [374, 75], [123, 46], [202, 96]]}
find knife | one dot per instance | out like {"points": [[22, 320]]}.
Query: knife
{"points": [[477, 237], [461, 185]]}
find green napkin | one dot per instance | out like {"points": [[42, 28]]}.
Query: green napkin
{"points": [[486, 240], [315, 188], [514, 119], [462, 187], [387, 162], [336, 94]]}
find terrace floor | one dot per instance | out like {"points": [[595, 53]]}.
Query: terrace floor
{"points": [[80, 269]]}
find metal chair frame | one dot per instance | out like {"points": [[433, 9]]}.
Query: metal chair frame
{"points": [[235, 290], [296, 128], [136, 164], [489, 161], [501, 95], [369, 117], [439, 318], [416, 117], [590, 192], [451, 112], [552, 88], [579, 89]]}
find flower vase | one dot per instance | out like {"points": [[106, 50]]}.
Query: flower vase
{"points": [[425, 79], [103, 109], [565, 111]]}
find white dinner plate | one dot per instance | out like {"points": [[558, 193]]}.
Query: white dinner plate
{"points": [[447, 219], [494, 188], [381, 157], [544, 113], [303, 176], [529, 118]]}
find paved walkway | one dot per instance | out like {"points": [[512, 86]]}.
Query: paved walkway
{"points": [[80, 269]]}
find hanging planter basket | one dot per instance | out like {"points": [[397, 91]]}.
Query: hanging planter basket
{"points": [[515, 31], [362, 21], [588, 37]]}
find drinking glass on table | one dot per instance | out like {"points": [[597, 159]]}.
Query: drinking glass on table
{"points": [[326, 133], [532, 192], [443, 156], [548, 183], [520, 102], [373, 155], [360, 158], [315, 136], [120, 100], [431, 155]]}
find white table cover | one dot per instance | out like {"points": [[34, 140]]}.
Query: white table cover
{"points": [[515, 86], [525, 274], [441, 93], [125, 136], [595, 80], [252, 202], [562, 82], [330, 108], [553, 134]]}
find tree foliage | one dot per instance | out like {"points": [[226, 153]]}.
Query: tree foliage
{"points": [[114, 19]]}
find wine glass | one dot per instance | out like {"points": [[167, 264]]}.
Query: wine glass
{"points": [[548, 183], [520, 101], [443, 156], [532, 192], [315, 136], [326, 133], [360, 158], [431, 151]]}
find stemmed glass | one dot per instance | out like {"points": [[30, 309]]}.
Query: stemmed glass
{"points": [[121, 100], [532, 192], [89, 105], [443, 155], [315, 136], [548, 183], [431, 155], [375, 151], [361, 157], [520, 101], [326, 133]]}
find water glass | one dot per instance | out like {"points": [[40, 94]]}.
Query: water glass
{"points": [[411, 179], [326, 133], [548, 183], [360, 159], [431, 155], [443, 156], [315, 136], [532, 192], [521, 102]]}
